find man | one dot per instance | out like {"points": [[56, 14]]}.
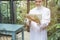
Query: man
{"points": [[39, 32]]}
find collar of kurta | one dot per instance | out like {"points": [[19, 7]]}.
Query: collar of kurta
{"points": [[38, 8]]}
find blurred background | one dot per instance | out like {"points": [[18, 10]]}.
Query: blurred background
{"points": [[13, 11]]}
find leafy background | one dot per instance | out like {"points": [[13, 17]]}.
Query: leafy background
{"points": [[21, 10]]}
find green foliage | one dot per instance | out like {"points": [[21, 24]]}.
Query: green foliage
{"points": [[54, 34], [21, 11], [32, 4], [54, 16]]}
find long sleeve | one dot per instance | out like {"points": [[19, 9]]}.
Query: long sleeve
{"points": [[45, 19]]}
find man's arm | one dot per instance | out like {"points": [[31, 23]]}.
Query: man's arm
{"points": [[45, 21]]}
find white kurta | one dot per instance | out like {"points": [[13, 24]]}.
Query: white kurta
{"points": [[36, 32]]}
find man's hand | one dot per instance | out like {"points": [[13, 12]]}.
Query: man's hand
{"points": [[43, 28]]}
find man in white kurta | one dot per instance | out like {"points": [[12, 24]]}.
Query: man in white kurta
{"points": [[37, 31]]}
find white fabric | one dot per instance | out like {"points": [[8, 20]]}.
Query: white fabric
{"points": [[36, 32]]}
